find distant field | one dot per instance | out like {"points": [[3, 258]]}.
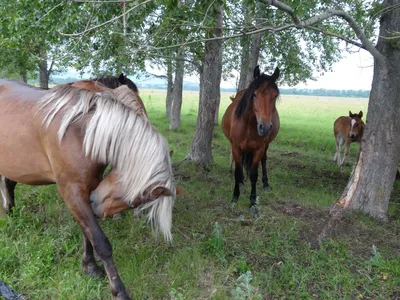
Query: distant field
{"points": [[220, 252]]}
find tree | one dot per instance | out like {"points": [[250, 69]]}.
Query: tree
{"points": [[371, 182], [177, 92], [200, 149]]}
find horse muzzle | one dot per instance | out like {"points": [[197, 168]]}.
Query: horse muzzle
{"points": [[264, 129]]}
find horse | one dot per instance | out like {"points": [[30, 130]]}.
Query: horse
{"points": [[7, 186], [113, 82], [68, 136], [347, 129], [251, 123]]}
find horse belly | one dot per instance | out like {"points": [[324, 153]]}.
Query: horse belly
{"points": [[22, 158]]}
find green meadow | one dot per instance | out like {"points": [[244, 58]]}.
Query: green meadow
{"points": [[220, 251]]}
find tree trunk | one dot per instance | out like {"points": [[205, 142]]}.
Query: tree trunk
{"points": [[371, 181], [254, 50], [218, 95], [200, 150], [43, 73], [175, 121], [169, 89], [244, 63], [23, 75]]}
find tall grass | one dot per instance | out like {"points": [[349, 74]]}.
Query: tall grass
{"points": [[220, 252]]}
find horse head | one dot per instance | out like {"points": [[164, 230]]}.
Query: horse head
{"points": [[264, 92], [357, 125], [123, 79]]}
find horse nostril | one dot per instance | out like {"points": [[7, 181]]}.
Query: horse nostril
{"points": [[261, 127], [270, 127], [92, 198]]}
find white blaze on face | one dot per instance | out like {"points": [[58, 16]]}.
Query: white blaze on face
{"points": [[352, 123]]}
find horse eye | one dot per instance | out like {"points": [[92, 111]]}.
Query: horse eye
{"points": [[355, 125], [254, 95]]}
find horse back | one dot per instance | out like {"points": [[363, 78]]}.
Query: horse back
{"points": [[342, 126]]}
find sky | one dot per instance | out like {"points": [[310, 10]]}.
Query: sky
{"points": [[353, 72]]}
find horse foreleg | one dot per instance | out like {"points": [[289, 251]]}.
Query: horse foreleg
{"points": [[77, 199], [264, 172], [253, 196], [7, 188]]}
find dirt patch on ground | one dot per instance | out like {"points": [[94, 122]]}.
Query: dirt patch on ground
{"points": [[360, 233], [291, 154]]}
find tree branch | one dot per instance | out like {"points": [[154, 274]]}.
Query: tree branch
{"points": [[347, 40], [104, 23], [367, 44], [50, 69]]}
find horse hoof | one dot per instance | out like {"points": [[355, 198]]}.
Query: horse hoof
{"points": [[266, 187], [254, 210], [121, 295], [94, 270]]}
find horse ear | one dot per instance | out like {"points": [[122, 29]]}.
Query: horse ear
{"points": [[122, 78], [360, 114], [350, 114], [256, 72], [276, 74]]}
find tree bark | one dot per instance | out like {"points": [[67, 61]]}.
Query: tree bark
{"points": [[244, 61], [218, 95], [200, 149], [175, 121], [170, 86], [254, 50], [371, 181], [23, 75], [43, 73]]}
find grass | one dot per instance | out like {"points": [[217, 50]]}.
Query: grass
{"points": [[220, 252]]}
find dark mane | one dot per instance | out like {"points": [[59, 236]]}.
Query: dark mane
{"points": [[247, 100]]}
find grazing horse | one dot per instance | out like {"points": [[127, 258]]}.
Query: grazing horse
{"points": [[250, 123], [68, 136], [347, 130], [7, 186]]}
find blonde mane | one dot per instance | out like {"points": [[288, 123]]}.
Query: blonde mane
{"points": [[119, 133]]}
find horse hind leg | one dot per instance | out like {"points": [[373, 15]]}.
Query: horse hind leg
{"points": [[346, 152], [76, 198], [7, 188], [88, 260]]}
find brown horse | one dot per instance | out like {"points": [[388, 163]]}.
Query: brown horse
{"points": [[347, 130], [67, 136], [250, 123], [101, 84]]}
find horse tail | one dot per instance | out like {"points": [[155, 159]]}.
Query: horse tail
{"points": [[247, 161]]}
